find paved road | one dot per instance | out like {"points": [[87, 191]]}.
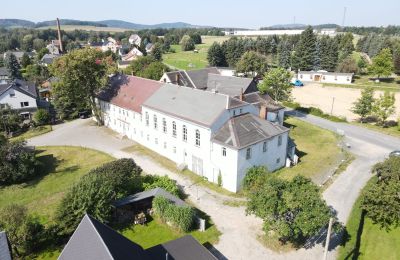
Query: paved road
{"points": [[239, 232]]}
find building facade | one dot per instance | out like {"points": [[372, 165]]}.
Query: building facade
{"points": [[212, 134], [325, 77]]}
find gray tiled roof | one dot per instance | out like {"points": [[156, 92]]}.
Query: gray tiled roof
{"points": [[23, 86], [247, 129], [198, 106], [149, 194], [4, 72], [4, 247], [180, 249], [258, 99], [49, 58], [94, 240], [192, 78], [231, 86]]}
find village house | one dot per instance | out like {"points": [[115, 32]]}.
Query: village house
{"points": [[48, 59], [210, 133], [19, 95], [110, 44], [19, 55], [95, 240], [325, 77], [135, 39], [5, 75]]}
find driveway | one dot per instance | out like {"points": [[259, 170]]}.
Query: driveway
{"points": [[239, 232]]}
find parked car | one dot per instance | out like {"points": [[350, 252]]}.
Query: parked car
{"points": [[297, 83], [395, 153], [83, 114]]}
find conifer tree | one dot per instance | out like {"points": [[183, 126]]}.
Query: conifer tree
{"points": [[304, 55], [13, 66]]}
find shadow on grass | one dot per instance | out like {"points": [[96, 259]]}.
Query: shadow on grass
{"points": [[355, 252]]}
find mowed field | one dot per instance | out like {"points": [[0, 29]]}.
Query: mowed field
{"points": [[85, 28], [189, 60], [317, 95]]}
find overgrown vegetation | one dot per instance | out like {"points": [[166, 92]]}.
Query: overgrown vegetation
{"points": [[313, 111]]}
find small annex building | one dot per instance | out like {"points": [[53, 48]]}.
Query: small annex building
{"points": [[324, 76]]}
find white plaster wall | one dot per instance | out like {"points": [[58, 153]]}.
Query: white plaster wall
{"points": [[15, 101], [227, 165]]}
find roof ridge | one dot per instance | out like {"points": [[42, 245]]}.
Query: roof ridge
{"points": [[97, 232]]}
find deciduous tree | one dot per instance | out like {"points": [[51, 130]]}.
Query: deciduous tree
{"points": [[384, 107], [382, 64], [216, 56], [187, 43], [276, 83], [252, 63], [364, 105]]}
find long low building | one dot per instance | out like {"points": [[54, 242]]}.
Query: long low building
{"points": [[325, 77], [215, 135]]}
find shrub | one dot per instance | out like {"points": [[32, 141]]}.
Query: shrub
{"points": [[180, 217], [41, 117], [17, 163], [152, 181], [187, 43], [23, 230], [253, 175], [219, 179], [95, 192]]}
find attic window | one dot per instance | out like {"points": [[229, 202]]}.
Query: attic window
{"points": [[12, 94]]}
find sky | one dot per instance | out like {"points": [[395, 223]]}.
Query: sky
{"points": [[220, 13]]}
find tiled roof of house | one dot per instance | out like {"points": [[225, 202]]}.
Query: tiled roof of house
{"points": [[192, 78], [49, 58], [129, 92], [4, 72], [246, 129], [198, 106], [149, 194], [25, 87], [180, 249], [94, 240], [231, 86], [5, 253]]}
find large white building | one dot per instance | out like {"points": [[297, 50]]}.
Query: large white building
{"points": [[210, 133], [324, 76]]}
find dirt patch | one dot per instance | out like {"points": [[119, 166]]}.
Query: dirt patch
{"points": [[316, 95]]}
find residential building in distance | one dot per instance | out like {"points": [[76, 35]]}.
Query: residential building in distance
{"points": [[19, 54], [5, 75], [135, 39], [212, 134], [48, 59], [95, 240], [325, 77], [19, 95]]}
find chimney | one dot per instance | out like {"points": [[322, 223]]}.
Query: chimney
{"points": [[177, 78], [59, 35], [263, 112], [241, 95]]}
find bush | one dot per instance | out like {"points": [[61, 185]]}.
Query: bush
{"points": [[219, 179], [17, 163], [187, 43], [253, 177], [41, 117], [152, 181], [95, 192], [23, 230], [313, 111], [180, 217]]}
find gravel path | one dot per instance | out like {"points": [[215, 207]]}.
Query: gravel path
{"points": [[239, 232]]}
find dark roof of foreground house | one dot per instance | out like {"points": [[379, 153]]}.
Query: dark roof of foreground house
{"points": [[149, 194], [5, 252], [94, 240], [180, 249], [198, 106], [246, 129], [230, 85], [129, 91], [259, 100], [192, 78], [22, 86]]}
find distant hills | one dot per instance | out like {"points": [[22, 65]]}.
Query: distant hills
{"points": [[12, 23]]}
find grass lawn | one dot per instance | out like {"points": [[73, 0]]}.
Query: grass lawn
{"points": [[33, 132], [189, 60], [393, 130], [61, 167], [317, 148], [368, 241]]}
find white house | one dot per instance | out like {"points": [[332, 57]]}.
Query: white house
{"points": [[19, 95], [210, 133], [325, 77], [133, 54], [135, 39], [110, 44]]}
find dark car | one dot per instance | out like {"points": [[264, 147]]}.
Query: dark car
{"points": [[83, 114], [395, 153]]}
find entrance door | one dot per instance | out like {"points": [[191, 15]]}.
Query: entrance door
{"points": [[317, 77], [197, 165]]}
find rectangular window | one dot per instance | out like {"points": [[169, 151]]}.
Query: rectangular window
{"points": [[224, 151], [12, 94], [147, 119], [148, 138], [24, 104], [174, 149], [134, 130], [165, 145], [173, 129], [197, 137], [234, 112], [164, 123], [264, 147], [280, 140], [155, 121], [248, 153], [278, 160], [184, 133], [240, 111], [156, 140]]}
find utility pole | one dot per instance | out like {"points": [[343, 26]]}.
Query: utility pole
{"points": [[328, 238], [333, 102], [59, 35]]}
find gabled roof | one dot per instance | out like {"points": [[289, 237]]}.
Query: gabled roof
{"points": [[48, 58], [258, 99], [198, 106], [5, 253], [230, 85], [183, 248], [94, 240], [246, 129], [149, 194], [28, 88], [129, 91], [192, 78]]}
